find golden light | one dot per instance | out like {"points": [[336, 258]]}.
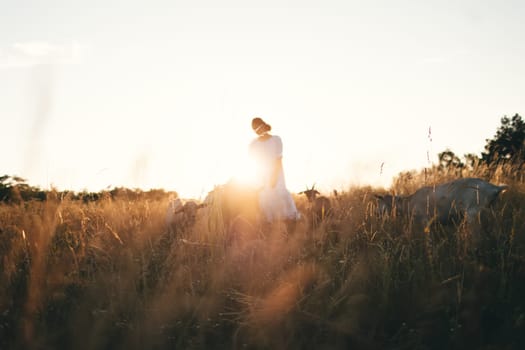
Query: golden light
{"points": [[244, 173]]}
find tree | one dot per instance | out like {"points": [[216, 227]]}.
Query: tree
{"points": [[7, 186], [507, 146], [471, 161], [14, 189], [448, 160]]}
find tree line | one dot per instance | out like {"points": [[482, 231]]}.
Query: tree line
{"points": [[15, 190], [505, 150]]}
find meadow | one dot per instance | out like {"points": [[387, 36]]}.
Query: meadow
{"points": [[106, 274]]}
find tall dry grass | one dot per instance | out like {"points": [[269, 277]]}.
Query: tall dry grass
{"points": [[108, 275]]}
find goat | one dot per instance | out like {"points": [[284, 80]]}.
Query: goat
{"points": [[181, 215], [445, 203], [319, 206]]}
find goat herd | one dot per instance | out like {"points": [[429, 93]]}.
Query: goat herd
{"points": [[446, 203]]}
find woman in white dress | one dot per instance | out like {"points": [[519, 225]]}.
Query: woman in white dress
{"points": [[275, 201]]}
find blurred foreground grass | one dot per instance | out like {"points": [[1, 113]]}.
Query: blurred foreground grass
{"points": [[107, 275]]}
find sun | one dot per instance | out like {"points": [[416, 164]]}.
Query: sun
{"points": [[229, 160], [243, 171]]}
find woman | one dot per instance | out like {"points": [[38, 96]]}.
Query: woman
{"points": [[275, 201]]}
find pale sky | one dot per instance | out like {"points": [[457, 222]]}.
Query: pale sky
{"points": [[160, 94]]}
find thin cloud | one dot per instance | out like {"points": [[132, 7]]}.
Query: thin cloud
{"points": [[28, 54]]}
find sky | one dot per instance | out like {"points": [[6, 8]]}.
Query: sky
{"points": [[160, 94]]}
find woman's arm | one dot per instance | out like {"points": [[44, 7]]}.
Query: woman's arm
{"points": [[278, 165]]}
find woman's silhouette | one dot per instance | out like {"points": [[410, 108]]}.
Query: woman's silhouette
{"points": [[275, 200]]}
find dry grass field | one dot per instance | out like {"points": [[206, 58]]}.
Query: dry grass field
{"points": [[107, 274]]}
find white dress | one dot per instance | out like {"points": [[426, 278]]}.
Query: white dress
{"points": [[275, 202]]}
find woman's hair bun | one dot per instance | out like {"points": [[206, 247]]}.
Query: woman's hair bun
{"points": [[260, 126]]}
